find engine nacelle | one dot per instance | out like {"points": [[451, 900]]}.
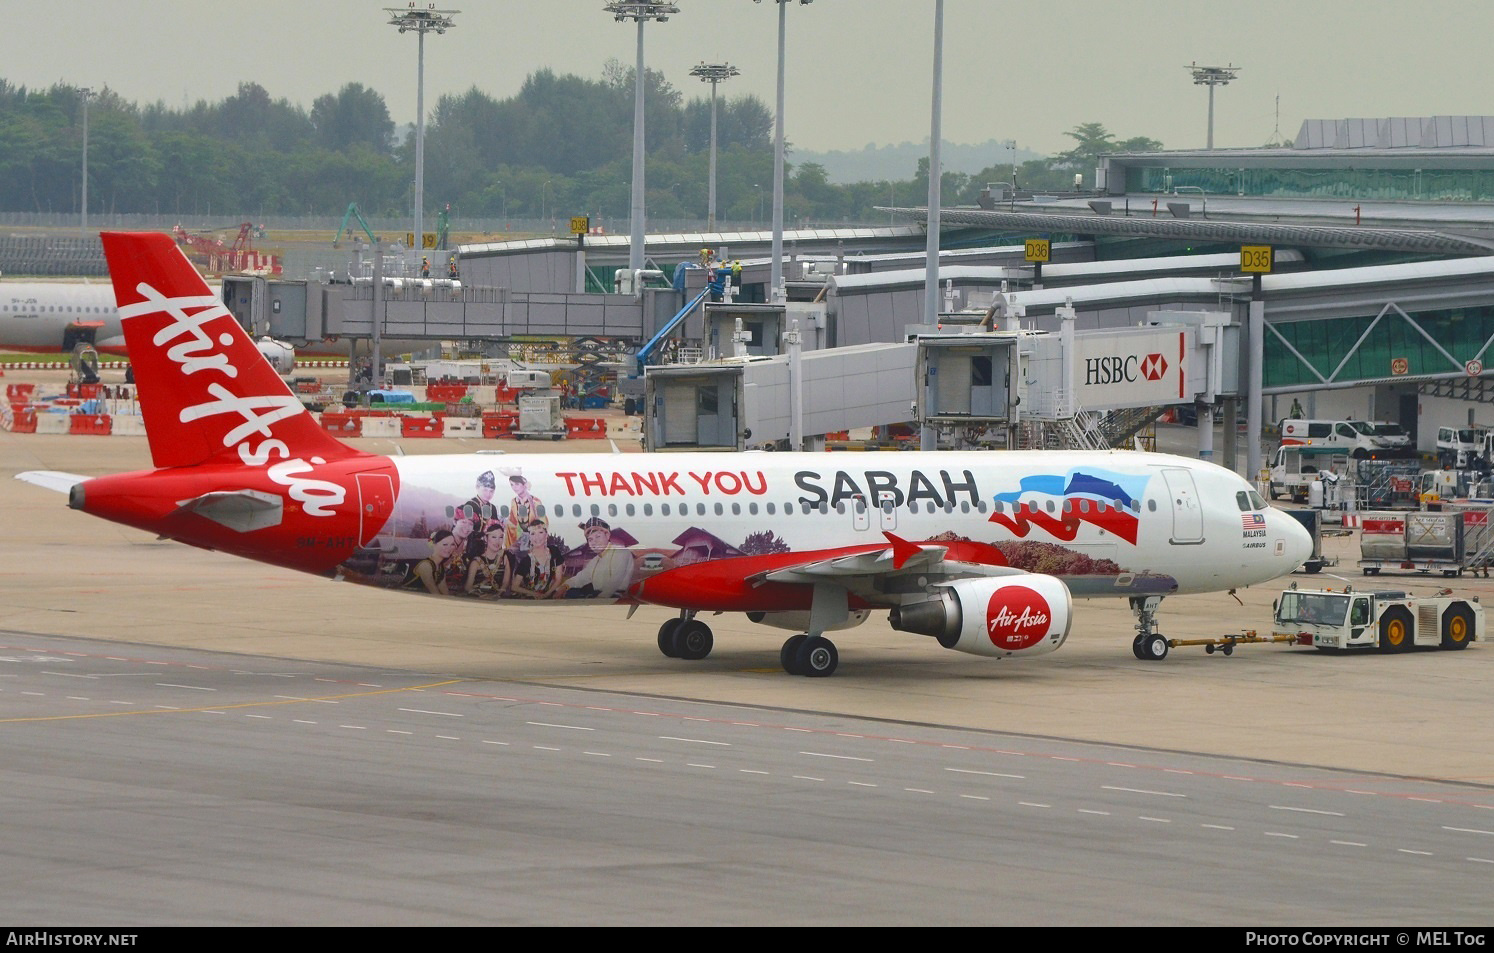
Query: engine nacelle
{"points": [[798, 621], [1002, 616], [281, 356]]}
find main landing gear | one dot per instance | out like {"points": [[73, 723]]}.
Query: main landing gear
{"points": [[1149, 645], [809, 654], [813, 656], [686, 638]]}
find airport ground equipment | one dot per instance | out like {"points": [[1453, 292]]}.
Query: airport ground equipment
{"points": [[1226, 644], [353, 213], [540, 416], [1447, 542], [1312, 521], [1295, 468], [1390, 621]]}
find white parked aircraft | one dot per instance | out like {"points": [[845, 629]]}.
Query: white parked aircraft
{"points": [[982, 551]]}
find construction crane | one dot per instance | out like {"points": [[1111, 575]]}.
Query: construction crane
{"points": [[351, 213]]}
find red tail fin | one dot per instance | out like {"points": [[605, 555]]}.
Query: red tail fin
{"points": [[205, 391]]}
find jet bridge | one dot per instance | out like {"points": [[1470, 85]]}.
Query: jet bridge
{"points": [[1017, 387]]}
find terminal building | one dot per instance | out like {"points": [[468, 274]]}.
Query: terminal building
{"points": [[1379, 304]]}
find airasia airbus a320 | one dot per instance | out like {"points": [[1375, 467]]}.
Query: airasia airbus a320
{"points": [[984, 552]]}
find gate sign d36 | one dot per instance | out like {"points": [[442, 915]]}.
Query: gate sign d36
{"points": [[1256, 258], [1038, 249]]}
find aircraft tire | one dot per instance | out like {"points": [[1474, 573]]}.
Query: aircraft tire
{"points": [[1138, 647], [1154, 649], [788, 656], [693, 640], [818, 657], [666, 637]]}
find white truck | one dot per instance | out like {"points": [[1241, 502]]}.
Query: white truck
{"points": [[1295, 468], [1390, 621]]}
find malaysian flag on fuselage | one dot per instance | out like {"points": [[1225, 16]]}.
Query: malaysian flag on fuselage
{"points": [[1058, 503], [1252, 521]]}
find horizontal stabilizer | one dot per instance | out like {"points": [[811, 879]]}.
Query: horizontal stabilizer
{"points": [[240, 510], [54, 480]]}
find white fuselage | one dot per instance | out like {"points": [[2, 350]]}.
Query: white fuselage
{"points": [[1113, 523]]}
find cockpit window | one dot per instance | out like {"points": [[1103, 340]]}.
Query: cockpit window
{"points": [[1242, 499], [1257, 501]]}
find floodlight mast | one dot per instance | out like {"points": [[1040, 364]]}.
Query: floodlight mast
{"points": [[775, 274], [640, 13], [713, 73], [422, 22], [86, 94], [1212, 76]]}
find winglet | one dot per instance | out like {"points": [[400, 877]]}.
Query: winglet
{"points": [[902, 550]]}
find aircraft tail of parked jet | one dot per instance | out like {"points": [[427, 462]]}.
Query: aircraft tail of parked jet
{"points": [[983, 552]]}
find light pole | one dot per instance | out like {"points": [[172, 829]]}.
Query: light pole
{"points": [[713, 73], [422, 22], [1212, 76], [931, 249], [86, 93], [640, 13], [544, 206], [775, 275]]}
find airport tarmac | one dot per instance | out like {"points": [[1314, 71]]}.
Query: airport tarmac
{"points": [[1417, 715]]}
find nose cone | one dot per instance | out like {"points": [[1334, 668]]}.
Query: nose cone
{"points": [[1297, 540]]}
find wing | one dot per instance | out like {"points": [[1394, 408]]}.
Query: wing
{"points": [[871, 575]]}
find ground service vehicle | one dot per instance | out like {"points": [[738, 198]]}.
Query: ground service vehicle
{"points": [[1458, 446], [1390, 621], [1354, 437], [1295, 468]]}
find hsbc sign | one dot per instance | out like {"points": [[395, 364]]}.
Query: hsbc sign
{"points": [[1131, 368], [1113, 370]]}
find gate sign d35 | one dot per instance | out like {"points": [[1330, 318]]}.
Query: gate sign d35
{"points": [[1256, 258], [1038, 249]]}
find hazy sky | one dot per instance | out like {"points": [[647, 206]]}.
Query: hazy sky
{"points": [[858, 71]]}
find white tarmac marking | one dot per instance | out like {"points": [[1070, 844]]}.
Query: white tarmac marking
{"points": [[696, 741], [545, 724], [423, 711], [837, 757], [1107, 787], [195, 688], [988, 774], [1467, 830], [1305, 810]]}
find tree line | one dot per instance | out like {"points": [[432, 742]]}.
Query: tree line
{"points": [[560, 146]]}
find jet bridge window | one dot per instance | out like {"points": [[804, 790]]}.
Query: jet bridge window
{"points": [[980, 371]]}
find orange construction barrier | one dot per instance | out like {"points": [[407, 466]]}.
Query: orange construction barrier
{"points": [[507, 395], [97, 424], [445, 393], [585, 428], [422, 427], [344, 425], [500, 423], [19, 393]]}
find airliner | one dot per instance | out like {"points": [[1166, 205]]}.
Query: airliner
{"points": [[984, 552], [51, 317]]}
